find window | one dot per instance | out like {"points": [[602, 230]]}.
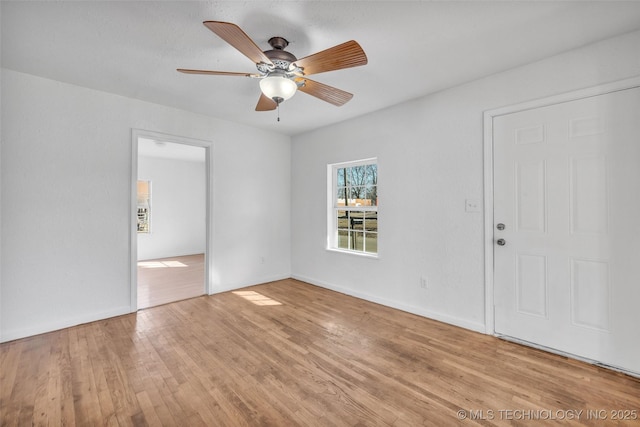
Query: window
{"points": [[144, 206], [353, 206]]}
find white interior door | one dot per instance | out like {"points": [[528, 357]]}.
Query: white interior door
{"points": [[567, 189]]}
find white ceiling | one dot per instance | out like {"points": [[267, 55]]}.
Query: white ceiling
{"points": [[132, 48]]}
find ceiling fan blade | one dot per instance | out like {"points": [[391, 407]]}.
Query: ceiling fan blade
{"points": [[217, 73], [237, 38], [324, 92], [265, 104], [345, 55]]}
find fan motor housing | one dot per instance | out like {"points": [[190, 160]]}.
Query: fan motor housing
{"points": [[280, 57]]}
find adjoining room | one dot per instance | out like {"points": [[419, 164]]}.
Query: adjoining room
{"points": [[171, 226]]}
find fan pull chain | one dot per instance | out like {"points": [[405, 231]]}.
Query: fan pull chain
{"points": [[278, 101]]}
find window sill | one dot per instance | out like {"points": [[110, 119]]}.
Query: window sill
{"points": [[354, 253]]}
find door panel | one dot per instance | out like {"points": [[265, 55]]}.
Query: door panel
{"points": [[531, 284], [567, 188]]}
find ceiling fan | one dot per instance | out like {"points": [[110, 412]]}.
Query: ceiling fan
{"points": [[281, 73]]}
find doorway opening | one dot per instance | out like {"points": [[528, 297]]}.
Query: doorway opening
{"points": [[170, 233]]}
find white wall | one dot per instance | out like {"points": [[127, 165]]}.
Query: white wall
{"points": [[178, 207], [66, 171], [66, 192], [430, 153]]}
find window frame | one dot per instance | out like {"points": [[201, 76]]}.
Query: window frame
{"points": [[332, 208]]}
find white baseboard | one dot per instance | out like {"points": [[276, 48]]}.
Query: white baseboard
{"points": [[441, 317], [66, 323], [61, 324], [15, 334]]}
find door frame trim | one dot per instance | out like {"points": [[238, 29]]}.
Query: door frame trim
{"points": [[133, 232], [489, 115]]}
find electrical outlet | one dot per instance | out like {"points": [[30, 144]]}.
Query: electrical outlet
{"points": [[423, 282]]}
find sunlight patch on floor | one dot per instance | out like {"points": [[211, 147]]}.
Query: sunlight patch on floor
{"points": [[160, 264], [256, 298]]}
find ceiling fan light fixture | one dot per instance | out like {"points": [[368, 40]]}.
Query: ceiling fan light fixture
{"points": [[278, 87], [281, 74]]}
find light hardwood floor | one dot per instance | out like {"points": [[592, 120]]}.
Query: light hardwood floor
{"points": [[165, 280], [287, 353]]}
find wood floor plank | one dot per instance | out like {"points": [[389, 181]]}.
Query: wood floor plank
{"points": [[166, 280], [312, 358]]}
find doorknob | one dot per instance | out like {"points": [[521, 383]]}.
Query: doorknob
{"points": [[501, 242]]}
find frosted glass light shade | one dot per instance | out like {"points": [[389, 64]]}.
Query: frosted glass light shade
{"points": [[277, 86]]}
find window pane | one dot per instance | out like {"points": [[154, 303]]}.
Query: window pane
{"points": [[341, 196], [371, 221], [343, 220], [358, 240], [354, 175], [341, 181], [371, 195], [343, 239], [357, 220], [356, 196], [371, 175], [371, 243]]}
